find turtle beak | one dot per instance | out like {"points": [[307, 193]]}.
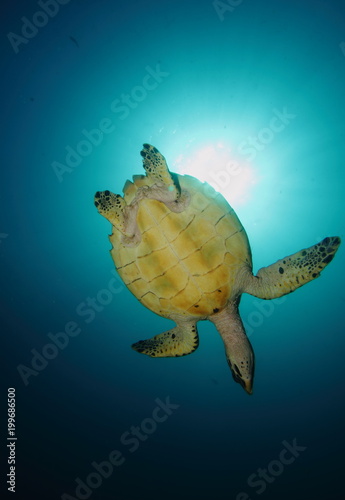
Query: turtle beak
{"points": [[245, 380], [248, 386]]}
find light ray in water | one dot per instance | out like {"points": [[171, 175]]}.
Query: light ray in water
{"points": [[216, 164]]}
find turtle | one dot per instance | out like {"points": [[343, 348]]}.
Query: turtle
{"points": [[182, 251]]}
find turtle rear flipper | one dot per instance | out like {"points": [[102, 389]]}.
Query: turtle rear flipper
{"points": [[156, 168], [166, 187], [122, 216], [293, 271], [111, 206]]}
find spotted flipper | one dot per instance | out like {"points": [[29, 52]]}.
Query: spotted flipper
{"points": [[179, 341], [112, 207], [294, 271], [157, 169]]}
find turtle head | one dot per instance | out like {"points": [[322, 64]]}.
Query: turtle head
{"points": [[242, 369], [238, 350]]}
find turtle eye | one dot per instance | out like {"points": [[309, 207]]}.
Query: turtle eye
{"points": [[236, 374], [237, 370]]}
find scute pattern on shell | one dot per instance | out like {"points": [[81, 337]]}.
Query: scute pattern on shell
{"points": [[186, 263]]}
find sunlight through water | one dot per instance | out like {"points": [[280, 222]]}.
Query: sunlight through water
{"points": [[216, 164]]}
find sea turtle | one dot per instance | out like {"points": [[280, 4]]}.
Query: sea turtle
{"points": [[182, 251]]}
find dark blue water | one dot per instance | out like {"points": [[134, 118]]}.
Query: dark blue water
{"points": [[246, 95]]}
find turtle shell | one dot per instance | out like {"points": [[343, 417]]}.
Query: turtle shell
{"points": [[186, 263]]}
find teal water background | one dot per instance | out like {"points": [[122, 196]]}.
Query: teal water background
{"points": [[199, 83]]}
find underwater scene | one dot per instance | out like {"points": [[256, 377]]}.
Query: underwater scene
{"points": [[171, 172]]}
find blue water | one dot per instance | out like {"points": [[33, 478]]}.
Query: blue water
{"points": [[204, 87]]}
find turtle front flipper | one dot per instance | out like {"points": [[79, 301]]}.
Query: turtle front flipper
{"points": [[165, 187], [294, 271], [181, 340]]}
